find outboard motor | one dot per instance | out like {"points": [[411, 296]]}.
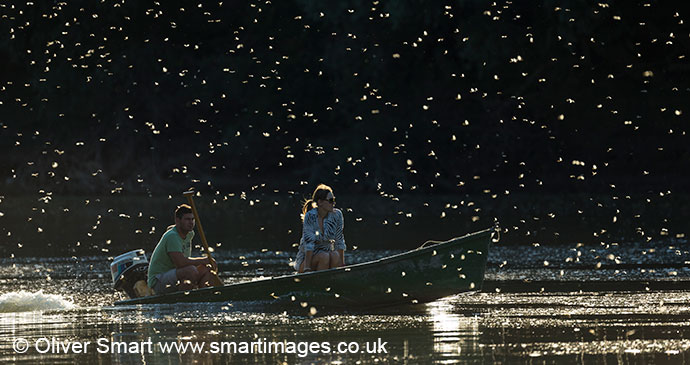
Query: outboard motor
{"points": [[130, 273]]}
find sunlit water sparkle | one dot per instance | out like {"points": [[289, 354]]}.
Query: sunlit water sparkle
{"points": [[71, 299]]}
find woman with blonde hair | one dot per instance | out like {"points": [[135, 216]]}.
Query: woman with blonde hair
{"points": [[323, 244]]}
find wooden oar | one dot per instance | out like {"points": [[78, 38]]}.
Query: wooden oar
{"points": [[215, 280]]}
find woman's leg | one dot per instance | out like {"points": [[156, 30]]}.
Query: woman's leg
{"points": [[335, 260], [301, 266], [320, 261], [307, 258]]}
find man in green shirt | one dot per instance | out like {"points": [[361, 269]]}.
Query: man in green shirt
{"points": [[171, 268]]}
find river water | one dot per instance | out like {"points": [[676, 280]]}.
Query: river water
{"points": [[586, 304]]}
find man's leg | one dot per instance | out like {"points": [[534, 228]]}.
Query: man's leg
{"points": [[166, 282], [205, 276], [188, 277]]}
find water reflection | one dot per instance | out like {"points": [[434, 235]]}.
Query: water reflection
{"points": [[510, 326], [453, 333], [31, 326]]}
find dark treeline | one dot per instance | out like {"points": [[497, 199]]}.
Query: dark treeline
{"points": [[472, 98]]}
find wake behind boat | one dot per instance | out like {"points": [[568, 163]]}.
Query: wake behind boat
{"points": [[422, 275]]}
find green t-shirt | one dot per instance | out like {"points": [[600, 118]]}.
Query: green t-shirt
{"points": [[170, 242]]}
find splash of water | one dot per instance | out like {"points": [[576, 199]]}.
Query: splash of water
{"points": [[24, 301]]}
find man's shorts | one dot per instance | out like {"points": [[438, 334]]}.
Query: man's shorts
{"points": [[166, 282]]}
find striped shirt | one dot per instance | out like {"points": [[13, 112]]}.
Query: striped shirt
{"points": [[313, 239]]}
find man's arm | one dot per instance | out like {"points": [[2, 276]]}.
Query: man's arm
{"points": [[180, 261]]}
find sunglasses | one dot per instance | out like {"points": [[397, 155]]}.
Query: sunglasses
{"points": [[331, 200]]}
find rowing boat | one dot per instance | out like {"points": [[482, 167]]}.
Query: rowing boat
{"points": [[422, 275]]}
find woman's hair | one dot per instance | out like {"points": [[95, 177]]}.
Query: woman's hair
{"points": [[321, 192]]}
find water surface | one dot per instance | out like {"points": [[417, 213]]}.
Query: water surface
{"points": [[605, 304]]}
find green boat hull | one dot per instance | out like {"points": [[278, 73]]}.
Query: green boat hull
{"points": [[418, 276]]}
